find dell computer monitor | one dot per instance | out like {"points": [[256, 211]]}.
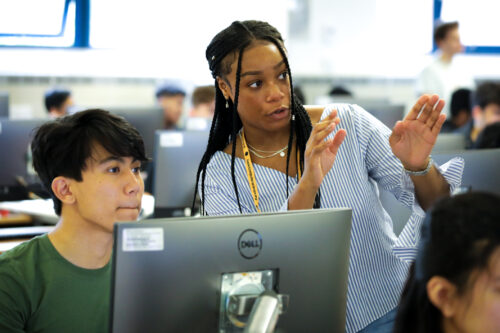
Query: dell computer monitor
{"points": [[177, 157], [145, 120], [16, 171], [171, 275]]}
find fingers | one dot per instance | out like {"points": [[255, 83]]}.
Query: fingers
{"points": [[428, 107], [322, 129], [337, 141], [439, 123], [415, 110], [435, 114]]}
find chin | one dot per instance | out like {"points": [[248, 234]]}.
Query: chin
{"points": [[127, 216]]}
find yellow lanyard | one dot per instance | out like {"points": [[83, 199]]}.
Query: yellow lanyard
{"points": [[252, 182]]}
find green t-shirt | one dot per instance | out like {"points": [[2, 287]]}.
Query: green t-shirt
{"points": [[40, 291]]}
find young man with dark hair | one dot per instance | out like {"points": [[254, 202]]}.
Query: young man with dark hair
{"points": [[60, 282], [171, 99], [485, 111], [58, 102], [442, 76], [460, 110]]}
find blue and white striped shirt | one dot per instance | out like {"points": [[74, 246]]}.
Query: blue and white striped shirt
{"points": [[379, 260]]}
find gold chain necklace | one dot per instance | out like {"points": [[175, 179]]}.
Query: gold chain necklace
{"points": [[257, 152]]}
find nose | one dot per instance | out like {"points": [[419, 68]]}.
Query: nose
{"points": [[133, 183], [274, 93]]}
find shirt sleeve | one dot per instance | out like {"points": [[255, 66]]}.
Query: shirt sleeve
{"points": [[387, 170], [13, 316]]}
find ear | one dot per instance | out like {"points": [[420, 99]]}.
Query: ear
{"points": [[224, 87], [61, 188], [443, 295]]}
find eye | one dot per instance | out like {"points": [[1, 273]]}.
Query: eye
{"points": [[114, 170], [283, 75], [136, 169], [255, 84]]}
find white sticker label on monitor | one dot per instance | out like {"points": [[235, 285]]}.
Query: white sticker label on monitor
{"points": [[142, 239], [174, 139]]}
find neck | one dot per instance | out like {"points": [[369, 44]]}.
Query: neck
{"points": [[449, 326], [267, 140], [81, 243], [446, 57]]}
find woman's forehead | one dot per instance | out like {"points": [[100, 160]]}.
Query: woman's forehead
{"points": [[260, 55]]}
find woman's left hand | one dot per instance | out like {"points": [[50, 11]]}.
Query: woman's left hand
{"points": [[413, 138]]}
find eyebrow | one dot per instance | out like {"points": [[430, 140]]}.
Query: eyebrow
{"points": [[111, 158], [260, 72]]}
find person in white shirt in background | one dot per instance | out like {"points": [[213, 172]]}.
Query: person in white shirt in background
{"points": [[443, 76]]}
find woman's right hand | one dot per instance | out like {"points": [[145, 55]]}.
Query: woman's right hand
{"points": [[318, 160]]}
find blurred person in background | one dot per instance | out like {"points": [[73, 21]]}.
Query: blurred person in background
{"points": [[58, 102], [442, 76], [489, 137], [460, 110], [485, 111], [170, 97], [203, 107]]}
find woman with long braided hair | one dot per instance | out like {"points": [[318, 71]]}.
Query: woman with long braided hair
{"points": [[266, 153]]}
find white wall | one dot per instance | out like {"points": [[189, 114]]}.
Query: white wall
{"points": [[380, 44]]}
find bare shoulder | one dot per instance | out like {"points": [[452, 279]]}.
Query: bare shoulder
{"points": [[315, 112]]}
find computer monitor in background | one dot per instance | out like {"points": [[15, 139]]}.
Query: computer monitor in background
{"points": [[449, 142], [388, 114], [382, 109], [177, 157], [481, 173], [15, 168], [176, 275], [145, 120], [4, 104]]}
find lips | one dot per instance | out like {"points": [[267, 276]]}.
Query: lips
{"points": [[280, 113]]}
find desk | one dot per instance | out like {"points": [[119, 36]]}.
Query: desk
{"points": [[15, 219], [43, 209]]}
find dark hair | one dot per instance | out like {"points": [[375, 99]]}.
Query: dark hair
{"points": [[487, 93], [459, 235], [203, 94], [226, 47], [489, 137], [299, 94], [442, 30], [55, 98], [339, 91], [62, 147], [169, 90], [460, 100]]}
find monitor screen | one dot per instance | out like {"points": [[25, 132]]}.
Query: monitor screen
{"points": [[16, 169], [449, 142], [177, 275], [177, 157], [481, 170], [481, 173]]}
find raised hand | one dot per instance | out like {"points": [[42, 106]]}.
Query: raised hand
{"points": [[320, 154], [413, 138]]}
